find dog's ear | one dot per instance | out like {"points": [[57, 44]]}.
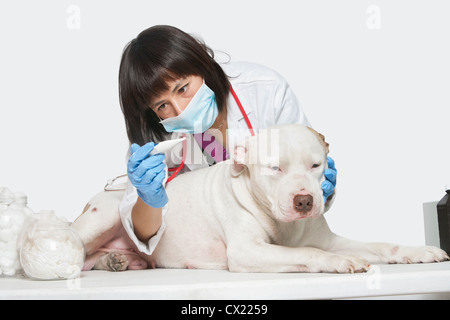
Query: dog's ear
{"points": [[239, 156], [326, 145], [321, 138]]}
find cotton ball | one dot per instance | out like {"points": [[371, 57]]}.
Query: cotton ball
{"points": [[7, 235], [72, 271], [5, 222], [6, 262], [9, 271]]}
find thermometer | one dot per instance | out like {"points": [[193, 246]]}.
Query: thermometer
{"points": [[166, 145]]}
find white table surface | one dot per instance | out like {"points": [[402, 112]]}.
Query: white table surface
{"points": [[381, 280]]}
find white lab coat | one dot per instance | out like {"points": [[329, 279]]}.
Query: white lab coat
{"points": [[267, 99]]}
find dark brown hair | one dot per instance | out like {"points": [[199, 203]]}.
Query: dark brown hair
{"points": [[158, 55]]}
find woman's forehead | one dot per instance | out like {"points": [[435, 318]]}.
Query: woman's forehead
{"points": [[172, 86]]}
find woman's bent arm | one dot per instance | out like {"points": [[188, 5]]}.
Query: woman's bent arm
{"points": [[146, 220]]}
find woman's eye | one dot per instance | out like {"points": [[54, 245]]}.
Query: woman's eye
{"points": [[162, 107], [183, 89], [316, 165]]}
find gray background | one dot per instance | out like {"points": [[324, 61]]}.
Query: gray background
{"points": [[372, 76]]}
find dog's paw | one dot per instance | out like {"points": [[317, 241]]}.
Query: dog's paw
{"points": [[349, 264], [116, 262], [425, 254], [342, 264], [111, 261]]}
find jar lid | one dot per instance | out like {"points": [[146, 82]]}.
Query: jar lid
{"points": [[20, 196], [6, 195]]}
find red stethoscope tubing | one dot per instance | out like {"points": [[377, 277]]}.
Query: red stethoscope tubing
{"points": [[181, 166], [247, 120]]}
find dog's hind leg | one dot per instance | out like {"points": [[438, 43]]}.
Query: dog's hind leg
{"points": [[100, 220]]}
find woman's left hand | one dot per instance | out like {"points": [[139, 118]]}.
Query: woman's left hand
{"points": [[330, 183]]}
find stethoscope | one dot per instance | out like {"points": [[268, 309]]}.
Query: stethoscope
{"points": [[180, 167]]}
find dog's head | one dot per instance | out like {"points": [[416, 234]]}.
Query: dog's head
{"points": [[285, 167]]}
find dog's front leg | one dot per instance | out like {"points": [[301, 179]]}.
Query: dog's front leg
{"points": [[263, 257], [379, 252]]}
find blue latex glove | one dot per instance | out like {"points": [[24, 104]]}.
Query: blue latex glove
{"points": [[330, 183], [147, 173]]}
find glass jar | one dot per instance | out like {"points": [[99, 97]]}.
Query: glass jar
{"points": [[21, 202], [51, 249], [12, 221]]}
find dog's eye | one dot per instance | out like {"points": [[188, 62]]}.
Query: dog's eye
{"points": [[316, 165], [275, 168]]}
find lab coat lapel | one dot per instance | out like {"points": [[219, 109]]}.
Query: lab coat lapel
{"points": [[237, 127]]}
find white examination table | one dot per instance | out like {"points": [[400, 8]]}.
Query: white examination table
{"points": [[416, 281]]}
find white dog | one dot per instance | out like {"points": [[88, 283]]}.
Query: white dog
{"points": [[261, 211]]}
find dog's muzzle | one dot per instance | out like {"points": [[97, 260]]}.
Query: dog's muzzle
{"points": [[303, 203]]}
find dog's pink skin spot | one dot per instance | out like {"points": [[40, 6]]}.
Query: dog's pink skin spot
{"points": [[94, 210], [394, 250], [137, 263]]}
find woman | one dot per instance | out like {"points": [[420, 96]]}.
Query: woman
{"points": [[171, 86]]}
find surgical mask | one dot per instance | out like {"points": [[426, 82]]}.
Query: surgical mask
{"points": [[199, 115]]}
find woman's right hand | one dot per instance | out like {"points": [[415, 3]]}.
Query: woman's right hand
{"points": [[147, 173]]}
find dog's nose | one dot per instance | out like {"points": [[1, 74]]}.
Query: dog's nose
{"points": [[303, 203]]}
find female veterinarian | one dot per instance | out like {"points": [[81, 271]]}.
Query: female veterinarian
{"points": [[171, 86]]}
